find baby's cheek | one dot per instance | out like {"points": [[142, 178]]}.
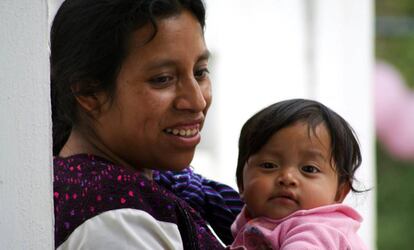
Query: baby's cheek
{"points": [[256, 190], [259, 186], [324, 198]]}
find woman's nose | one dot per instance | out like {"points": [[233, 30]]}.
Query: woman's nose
{"points": [[193, 96]]}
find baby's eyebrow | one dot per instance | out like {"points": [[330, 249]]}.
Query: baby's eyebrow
{"points": [[272, 152], [315, 153]]}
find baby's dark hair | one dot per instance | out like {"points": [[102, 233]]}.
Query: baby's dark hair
{"points": [[345, 151]]}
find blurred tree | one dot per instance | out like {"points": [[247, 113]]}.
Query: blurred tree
{"points": [[395, 44], [394, 8]]}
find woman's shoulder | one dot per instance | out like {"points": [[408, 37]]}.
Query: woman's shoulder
{"points": [[87, 175], [81, 162], [86, 186], [92, 173], [95, 180]]}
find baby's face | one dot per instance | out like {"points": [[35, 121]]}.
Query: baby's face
{"points": [[291, 172]]}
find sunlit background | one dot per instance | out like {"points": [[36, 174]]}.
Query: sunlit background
{"points": [[267, 51]]}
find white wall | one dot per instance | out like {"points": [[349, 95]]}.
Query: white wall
{"points": [[267, 50], [25, 131], [343, 71], [259, 57]]}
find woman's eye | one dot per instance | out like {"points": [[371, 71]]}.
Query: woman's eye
{"points": [[268, 165], [161, 81], [201, 73], [310, 169]]}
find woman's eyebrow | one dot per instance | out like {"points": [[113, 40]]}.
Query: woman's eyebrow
{"points": [[204, 56], [168, 62]]}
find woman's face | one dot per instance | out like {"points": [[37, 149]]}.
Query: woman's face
{"points": [[163, 92]]}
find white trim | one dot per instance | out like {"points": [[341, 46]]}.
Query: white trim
{"points": [[124, 229]]}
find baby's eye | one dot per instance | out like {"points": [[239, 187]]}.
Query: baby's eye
{"points": [[268, 165], [201, 73], [310, 169]]}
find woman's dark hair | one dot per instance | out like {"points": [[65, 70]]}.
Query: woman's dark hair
{"points": [[89, 41], [345, 151]]}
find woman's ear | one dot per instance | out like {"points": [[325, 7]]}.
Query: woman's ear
{"points": [[343, 190], [90, 103]]}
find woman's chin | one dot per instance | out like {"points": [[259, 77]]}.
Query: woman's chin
{"points": [[176, 163]]}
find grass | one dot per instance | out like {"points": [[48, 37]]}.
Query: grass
{"points": [[395, 202]]}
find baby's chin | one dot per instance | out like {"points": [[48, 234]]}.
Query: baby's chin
{"points": [[281, 208], [276, 215], [279, 216], [283, 212]]}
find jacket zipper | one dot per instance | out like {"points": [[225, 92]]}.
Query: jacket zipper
{"points": [[191, 231]]}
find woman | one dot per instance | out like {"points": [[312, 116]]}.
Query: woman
{"points": [[130, 92]]}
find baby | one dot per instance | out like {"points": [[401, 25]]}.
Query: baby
{"points": [[296, 164]]}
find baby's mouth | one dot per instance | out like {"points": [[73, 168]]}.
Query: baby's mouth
{"points": [[188, 133], [286, 195]]}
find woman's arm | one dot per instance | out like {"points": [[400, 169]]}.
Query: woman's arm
{"points": [[217, 203], [124, 229]]}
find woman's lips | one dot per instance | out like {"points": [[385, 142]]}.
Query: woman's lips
{"points": [[185, 129], [185, 135], [184, 132]]}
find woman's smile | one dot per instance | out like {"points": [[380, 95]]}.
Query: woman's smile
{"points": [[185, 135]]}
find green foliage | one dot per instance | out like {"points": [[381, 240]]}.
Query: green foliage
{"points": [[395, 189], [395, 178], [394, 8], [399, 51]]}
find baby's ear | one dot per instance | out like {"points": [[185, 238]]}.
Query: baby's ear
{"points": [[343, 190], [241, 193]]}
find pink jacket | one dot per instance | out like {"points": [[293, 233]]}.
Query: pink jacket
{"points": [[332, 227]]}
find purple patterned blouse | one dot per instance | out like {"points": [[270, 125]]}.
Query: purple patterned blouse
{"points": [[86, 186]]}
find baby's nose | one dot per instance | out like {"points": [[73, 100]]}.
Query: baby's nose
{"points": [[287, 178]]}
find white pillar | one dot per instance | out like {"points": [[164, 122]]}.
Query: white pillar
{"points": [[26, 204]]}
